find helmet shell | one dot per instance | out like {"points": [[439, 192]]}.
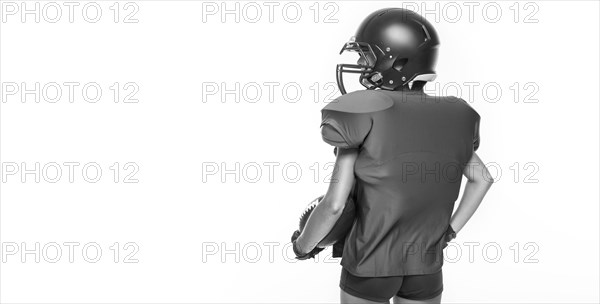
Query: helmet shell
{"points": [[404, 43]]}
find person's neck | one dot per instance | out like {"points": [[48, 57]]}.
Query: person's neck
{"points": [[415, 87], [418, 86]]}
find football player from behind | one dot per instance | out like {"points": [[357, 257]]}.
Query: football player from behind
{"points": [[407, 152]]}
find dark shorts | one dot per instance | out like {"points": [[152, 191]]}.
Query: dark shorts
{"points": [[381, 289]]}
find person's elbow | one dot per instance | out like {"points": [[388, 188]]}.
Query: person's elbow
{"points": [[485, 179], [333, 206]]}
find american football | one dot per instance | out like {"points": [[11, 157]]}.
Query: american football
{"points": [[341, 227]]}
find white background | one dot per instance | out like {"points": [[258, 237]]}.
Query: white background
{"points": [[542, 212]]}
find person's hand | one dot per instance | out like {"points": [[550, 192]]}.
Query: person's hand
{"points": [[449, 235], [297, 251]]}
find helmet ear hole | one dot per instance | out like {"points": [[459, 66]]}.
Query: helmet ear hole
{"points": [[400, 63]]}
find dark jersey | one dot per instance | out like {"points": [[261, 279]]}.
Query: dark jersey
{"points": [[412, 151]]}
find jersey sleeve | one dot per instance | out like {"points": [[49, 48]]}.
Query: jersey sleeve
{"points": [[475, 119], [347, 121], [476, 133], [343, 129]]}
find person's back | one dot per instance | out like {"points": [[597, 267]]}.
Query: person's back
{"points": [[402, 155], [413, 151]]}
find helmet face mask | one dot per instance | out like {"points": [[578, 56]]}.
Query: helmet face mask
{"points": [[367, 60], [396, 46]]}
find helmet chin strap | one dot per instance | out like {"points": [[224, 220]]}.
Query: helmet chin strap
{"points": [[365, 83], [371, 82]]}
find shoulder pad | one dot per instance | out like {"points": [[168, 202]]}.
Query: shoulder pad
{"points": [[468, 105], [364, 101]]}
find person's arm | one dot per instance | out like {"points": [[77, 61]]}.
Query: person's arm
{"points": [[328, 211], [479, 182]]}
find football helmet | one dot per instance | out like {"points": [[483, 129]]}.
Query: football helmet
{"points": [[396, 46]]}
